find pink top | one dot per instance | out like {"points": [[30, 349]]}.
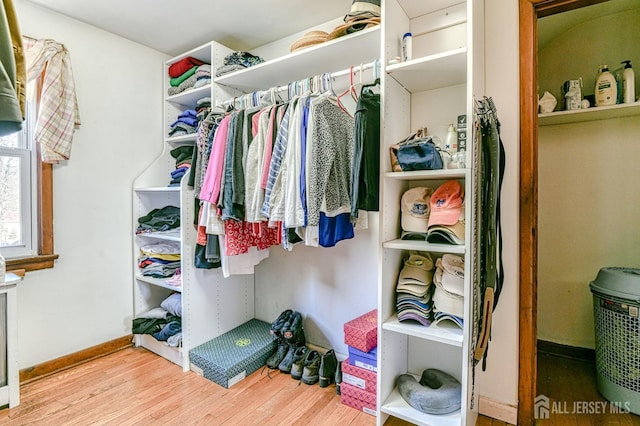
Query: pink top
{"points": [[210, 190]]}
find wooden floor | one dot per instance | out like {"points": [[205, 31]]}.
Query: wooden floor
{"points": [[135, 387]]}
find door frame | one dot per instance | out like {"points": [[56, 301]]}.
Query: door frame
{"points": [[530, 11]]}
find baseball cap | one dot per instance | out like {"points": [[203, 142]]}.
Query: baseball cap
{"points": [[414, 207], [448, 234], [416, 274], [445, 204], [452, 278]]}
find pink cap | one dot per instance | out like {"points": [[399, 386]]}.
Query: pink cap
{"points": [[446, 202]]}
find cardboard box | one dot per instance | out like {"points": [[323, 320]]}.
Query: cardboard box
{"points": [[366, 360], [232, 356], [358, 404], [359, 377], [362, 332]]}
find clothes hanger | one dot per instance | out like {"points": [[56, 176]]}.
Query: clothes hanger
{"points": [[348, 91]]}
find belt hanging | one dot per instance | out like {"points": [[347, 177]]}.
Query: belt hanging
{"points": [[490, 269]]}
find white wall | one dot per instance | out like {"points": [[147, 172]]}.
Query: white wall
{"points": [[500, 381], [86, 299], [588, 174]]}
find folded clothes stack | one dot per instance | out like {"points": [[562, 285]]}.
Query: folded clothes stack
{"points": [[184, 75], [186, 123], [238, 61]]}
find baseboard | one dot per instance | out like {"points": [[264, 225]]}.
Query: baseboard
{"points": [[498, 410], [557, 349], [55, 365]]}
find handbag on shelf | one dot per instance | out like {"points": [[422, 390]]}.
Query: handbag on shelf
{"points": [[416, 152]]}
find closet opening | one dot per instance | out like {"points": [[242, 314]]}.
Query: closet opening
{"points": [[535, 144]]}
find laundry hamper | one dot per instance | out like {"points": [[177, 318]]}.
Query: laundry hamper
{"points": [[616, 303]]}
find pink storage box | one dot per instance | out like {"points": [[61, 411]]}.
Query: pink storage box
{"points": [[358, 404], [362, 332], [359, 377], [368, 397]]}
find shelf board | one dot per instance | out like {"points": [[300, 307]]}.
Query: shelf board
{"points": [[590, 114], [396, 406], [443, 333], [363, 46], [399, 244], [173, 235], [158, 189], [160, 348], [160, 282], [427, 174], [190, 96], [182, 140], [414, 9], [431, 72]]}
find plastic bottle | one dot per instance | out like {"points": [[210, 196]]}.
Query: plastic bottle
{"points": [[606, 89], [407, 46], [451, 140], [628, 83]]}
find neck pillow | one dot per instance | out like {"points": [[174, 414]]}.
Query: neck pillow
{"points": [[436, 393]]}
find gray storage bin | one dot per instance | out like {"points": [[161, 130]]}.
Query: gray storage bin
{"points": [[616, 302]]}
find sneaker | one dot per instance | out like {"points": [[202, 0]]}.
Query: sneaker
{"points": [[277, 357], [298, 362], [311, 367], [287, 361], [327, 371], [283, 318]]}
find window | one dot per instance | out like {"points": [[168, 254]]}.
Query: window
{"points": [[26, 214], [17, 197]]}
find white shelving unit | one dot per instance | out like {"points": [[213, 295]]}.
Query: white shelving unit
{"points": [[362, 46], [430, 90], [210, 306]]}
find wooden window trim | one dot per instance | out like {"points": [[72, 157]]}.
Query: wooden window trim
{"points": [[46, 256]]}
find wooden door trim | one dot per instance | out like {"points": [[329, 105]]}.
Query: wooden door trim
{"points": [[529, 12]]}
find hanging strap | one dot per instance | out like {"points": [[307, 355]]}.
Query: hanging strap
{"points": [[491, 270]]}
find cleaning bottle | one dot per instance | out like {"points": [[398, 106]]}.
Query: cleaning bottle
{"points": [[606, 89], [628, 83], [451, 140]]}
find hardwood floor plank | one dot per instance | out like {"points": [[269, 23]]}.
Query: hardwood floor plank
{"points": [[134, 387]]}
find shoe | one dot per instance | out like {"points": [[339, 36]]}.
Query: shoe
{"points": [[283, 318], [298, 362], [311, 367], [287, 361], [277, 357], [327, 370], [292, 329], [338, 378]]}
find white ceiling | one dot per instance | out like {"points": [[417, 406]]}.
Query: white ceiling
{"points": [[174, 27], [551, 26]]}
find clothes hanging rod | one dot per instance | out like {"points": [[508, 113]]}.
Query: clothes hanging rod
{"points": [[355, 69]]}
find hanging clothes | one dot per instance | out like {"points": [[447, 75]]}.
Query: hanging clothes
{"points": [[365, 177], [329, 155], [12, 71]]}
